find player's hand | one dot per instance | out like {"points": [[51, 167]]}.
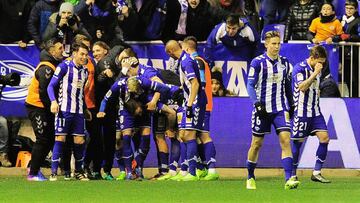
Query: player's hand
{"points": [[318, 68], [63, 21], [151, 106], [87, 115], [100, 114], [54, 108], [189, 112], [260, 109]]}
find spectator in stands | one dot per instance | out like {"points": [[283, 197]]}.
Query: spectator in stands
{"points": [[351, 26], [201, 18], [65, 25], [14, 16], [99, 19], [235, 34], [4, 137], [217, 86], [300, 16], [252, 13], [38, 107], [142, 19], [191, 17], [39, 19], [325, 27], [233, 6], [276, 11]]}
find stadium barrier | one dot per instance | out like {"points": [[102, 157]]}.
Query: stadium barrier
{"points": [[350, 49], [231, 118]]}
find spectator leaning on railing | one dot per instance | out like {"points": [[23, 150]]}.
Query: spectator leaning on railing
{"points": [[325, 27]]}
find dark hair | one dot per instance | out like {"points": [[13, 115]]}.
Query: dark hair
{"points": [[352, 3], [131, 105], [232, 19], [51, 43], [191, 41], [77, 46], [318, 52], [327, 2], [102, 45]]}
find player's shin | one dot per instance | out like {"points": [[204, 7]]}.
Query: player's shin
{"points": [[296, 146], [57, 153]]}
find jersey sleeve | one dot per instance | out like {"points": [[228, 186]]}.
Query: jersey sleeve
{"points": [[113, 92], [55, 80], [298, 75], [253, 78]]}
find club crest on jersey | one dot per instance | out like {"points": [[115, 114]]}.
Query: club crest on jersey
{"points": [[299, 77], [251, 71]]}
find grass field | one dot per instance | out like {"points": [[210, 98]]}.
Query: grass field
{"points": [[17, 189]]}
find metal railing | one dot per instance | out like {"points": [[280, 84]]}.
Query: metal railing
{"points": [[353, 78]]}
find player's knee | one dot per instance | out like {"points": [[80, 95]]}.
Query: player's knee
{"points": [[79, 140], [256, 145], [60, 138], [325, 139]]}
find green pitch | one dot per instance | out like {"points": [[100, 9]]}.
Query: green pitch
{"points": [[17, 189]]}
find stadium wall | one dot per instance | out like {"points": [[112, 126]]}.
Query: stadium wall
{"points": [[231, 118]]}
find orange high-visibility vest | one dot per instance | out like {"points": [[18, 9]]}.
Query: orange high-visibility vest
{"points": [[33, 96]]}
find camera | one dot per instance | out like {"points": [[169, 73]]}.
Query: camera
{"points": [[12, 79], [71, 20]]}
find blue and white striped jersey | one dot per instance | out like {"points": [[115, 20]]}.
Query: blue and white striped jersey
{"points": [[69, 82], [189, 70], [306, 103], [269, 82], [119, 90]]}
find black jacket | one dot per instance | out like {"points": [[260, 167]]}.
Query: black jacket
{"points": [[13, 18], [299, 20], [107, 24], [44, 74], [199, 23], [102, 82], [201, 20]]}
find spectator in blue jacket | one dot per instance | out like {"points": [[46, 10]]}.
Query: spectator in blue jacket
{"points": [[235, 34], [39, 18]]}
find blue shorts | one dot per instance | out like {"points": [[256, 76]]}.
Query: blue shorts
{"points": [[69, 124], [128, 121], [206, 126], [262, 126], [301, 127], [196, 122]]}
